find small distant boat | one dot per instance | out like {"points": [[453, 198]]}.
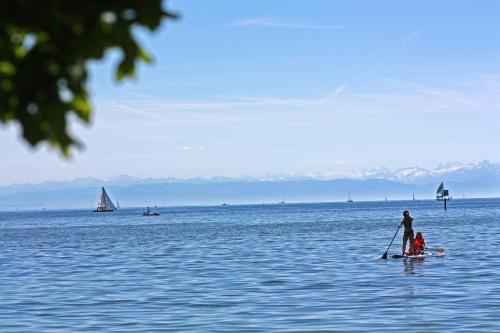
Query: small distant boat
{"points": [[105, 204], [117, 204], [413, 196], [149, 212], [225, 204], [385, 199], [349, 197]]}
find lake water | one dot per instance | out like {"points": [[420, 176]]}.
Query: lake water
{"points": [[293, 267]]}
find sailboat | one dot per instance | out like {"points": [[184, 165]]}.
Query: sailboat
{"points": [[413, 196], [349, 198], [440, 192], [385, 199], [442, 195], [105, 204]]}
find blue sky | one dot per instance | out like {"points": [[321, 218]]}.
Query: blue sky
{"points": [[291, 87]]}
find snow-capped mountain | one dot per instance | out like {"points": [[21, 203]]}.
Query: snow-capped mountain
{"points": [[408, 175], [446, 172]]}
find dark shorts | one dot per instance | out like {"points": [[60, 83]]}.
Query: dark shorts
{"points": [[408, 235]]}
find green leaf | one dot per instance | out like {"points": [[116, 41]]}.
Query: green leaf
{"points": [[44, 80], [7, 68]]}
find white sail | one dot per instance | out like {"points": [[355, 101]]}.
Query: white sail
{"points": [[109, 203], [105, 204]]}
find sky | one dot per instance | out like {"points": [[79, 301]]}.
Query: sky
{"points": [[257, 88]]}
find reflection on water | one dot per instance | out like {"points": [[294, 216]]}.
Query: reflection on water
{"points": [[409, 266], [249, 268]]}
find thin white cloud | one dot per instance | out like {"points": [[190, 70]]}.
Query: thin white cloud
{"points": [[190, 148], [286, 24], [406, 93], [418, 86], [123, 107], [337, 91], [442, 93], [409, 39]]}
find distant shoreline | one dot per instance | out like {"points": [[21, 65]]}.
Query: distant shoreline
{"points": [[242, 204]]}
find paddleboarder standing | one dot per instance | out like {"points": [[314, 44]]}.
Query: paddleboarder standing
{"points": [[408, 234]]}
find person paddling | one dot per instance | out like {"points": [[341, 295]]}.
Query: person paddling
{"points": [[408, 234]]}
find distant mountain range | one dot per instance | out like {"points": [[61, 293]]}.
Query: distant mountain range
{"points": [[472, 180], [446, 172]]}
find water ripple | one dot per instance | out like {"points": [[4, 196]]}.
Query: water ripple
{"points": [[308, 267]]}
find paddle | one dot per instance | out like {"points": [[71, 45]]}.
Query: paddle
{"points": [[384, 256], [439, 250]]}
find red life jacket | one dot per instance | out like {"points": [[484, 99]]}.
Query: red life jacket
{"points": [[419, 243]]}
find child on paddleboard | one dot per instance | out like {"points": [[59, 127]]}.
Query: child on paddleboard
{"points": [[408, 234], [419, 244]]}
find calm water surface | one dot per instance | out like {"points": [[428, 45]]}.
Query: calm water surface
{"points": [[294, 267]]}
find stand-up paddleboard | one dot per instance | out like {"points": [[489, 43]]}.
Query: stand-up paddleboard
{"points": [[439, 253], [416, 257]]}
